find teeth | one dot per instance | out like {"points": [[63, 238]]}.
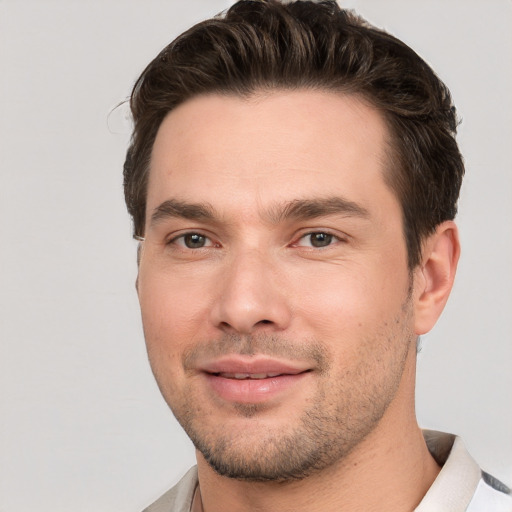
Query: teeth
{"points": [[243, 376]]}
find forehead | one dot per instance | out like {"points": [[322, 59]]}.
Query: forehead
{"points": [[276, 146]]}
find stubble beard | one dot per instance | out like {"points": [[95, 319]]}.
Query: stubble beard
{"points": [[344, 410]]}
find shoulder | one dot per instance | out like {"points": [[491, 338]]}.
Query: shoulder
{"points": [[179, 498]]}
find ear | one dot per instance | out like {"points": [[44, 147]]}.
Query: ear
{"points": [[433, 278]]}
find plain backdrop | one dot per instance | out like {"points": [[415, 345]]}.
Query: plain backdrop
{"points": [[82, 424]]}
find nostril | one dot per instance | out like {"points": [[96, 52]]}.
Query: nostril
{"points": [[265, 322]]}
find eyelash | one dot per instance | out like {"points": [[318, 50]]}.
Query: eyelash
{"points": [[175, 240], [332, 238]]}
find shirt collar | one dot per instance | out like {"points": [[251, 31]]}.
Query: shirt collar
{"points": [[457, 481]]}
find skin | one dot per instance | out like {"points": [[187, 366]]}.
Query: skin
{"points": [[232, 267]]}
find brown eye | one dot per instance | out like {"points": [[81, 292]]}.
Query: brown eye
{"points": [[194, 240], [320, 239]]}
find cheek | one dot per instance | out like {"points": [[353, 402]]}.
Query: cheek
{"points": [[332, 288], [172, 312], [342, 298]]}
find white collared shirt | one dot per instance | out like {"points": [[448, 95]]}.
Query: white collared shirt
{"points": [[461, 485]]}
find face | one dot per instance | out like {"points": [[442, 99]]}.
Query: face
{"points": [[273, 279]]}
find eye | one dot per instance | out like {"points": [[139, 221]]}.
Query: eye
{"points": [[317, 239], [192, 241]]}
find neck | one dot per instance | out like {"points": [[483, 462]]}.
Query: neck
{"points": [[390, 470]]}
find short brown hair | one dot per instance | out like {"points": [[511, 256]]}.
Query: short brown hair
{"points": [[266, 45]]}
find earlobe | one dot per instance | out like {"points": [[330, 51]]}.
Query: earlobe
{"points": [[435, 276]]}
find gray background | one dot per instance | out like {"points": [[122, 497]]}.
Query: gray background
{"points": [[82, 424]]}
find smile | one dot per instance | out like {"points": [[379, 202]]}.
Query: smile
{"points": [[237, 378], [253, 388]]}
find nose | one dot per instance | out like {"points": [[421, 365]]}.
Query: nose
{"points": [[251, 297]]}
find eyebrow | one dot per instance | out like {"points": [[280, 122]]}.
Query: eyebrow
{"points": [[298, 209], [180, 209], [303, 209]]}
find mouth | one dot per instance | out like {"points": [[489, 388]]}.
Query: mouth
{"points": [[245, 376], [253, 380]]}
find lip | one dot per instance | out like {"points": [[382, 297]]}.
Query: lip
{"points": [[252, 365], [272, 377]]}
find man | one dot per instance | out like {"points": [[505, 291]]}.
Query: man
{"points": [[293, 179]]}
